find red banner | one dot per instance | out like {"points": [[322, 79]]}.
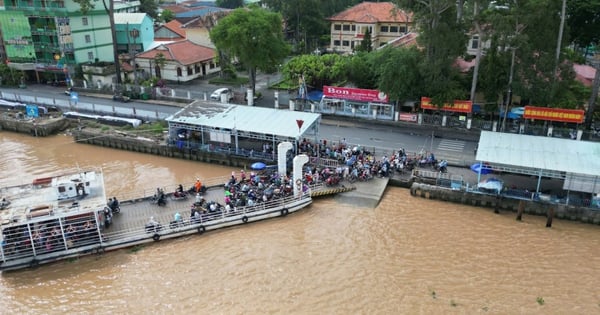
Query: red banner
{"points": [[554, 114], [407, 117], [458, 106], [361, 95]]}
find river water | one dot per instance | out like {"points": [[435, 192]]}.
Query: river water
{"points": [[407, 256]]}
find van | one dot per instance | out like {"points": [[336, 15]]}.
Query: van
{"points": [[216, 95]]}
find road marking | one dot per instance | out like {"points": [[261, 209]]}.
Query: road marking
{"points": [[451, 145]]}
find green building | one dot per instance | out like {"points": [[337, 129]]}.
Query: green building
{"points": [[49, 37]]}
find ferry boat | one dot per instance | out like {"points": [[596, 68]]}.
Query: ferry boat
{"points": [[66, 216]]}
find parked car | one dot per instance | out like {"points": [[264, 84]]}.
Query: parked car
{"points": [[121, 98], [216, 95]]}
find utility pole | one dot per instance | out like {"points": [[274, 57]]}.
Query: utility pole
{"points": [[509, 92]]}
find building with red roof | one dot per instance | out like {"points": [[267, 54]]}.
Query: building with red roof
{"points": [[384, 20], [183, 61]]}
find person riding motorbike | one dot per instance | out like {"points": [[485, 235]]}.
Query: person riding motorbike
{"points": [[159, 197], [114, 205], [179, 192]]}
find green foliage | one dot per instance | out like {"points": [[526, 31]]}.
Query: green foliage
{"points": [[253, 37], [317, 70], [149, 7], [366, 43], [540, 300], [398, 73], [229, 4], [167, 15]]}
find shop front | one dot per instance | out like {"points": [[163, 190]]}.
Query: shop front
{"points": [[363, 103]]}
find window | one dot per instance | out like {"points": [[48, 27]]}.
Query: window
{"points": [[352, 45], [393, 29], [475, 42], [345, 43], [179, 73], [189, 71], [84, 21], [90, 55], [403, 29], [384, 29], [336, 43], [88, 39], [345, 27], [353, 28], [337, 27]]}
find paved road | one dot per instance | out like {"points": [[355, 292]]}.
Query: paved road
{"points": [[379, 136]]}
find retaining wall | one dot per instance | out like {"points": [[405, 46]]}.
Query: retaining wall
{"points": [[584, 215], [38, 128], [149, 147]]}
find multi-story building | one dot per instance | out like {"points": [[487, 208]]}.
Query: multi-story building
{"points": [[383, 20], [50, 37]]}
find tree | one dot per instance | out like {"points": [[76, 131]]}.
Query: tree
{"points": [[252, 36], [149, 7], [160, 61], [85, 6], [398, 72], [167, 15], [229, 4], [317, 70], [443, 39], [366, 43]]}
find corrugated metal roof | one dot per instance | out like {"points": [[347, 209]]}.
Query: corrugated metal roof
{"points": [[245, 118], [133, 18], [547, 153]]}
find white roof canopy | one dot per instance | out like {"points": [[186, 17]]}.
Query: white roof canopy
{"points": [[546, 153], [246, 118]]}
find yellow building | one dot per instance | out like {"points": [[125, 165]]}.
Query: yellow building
{"points": [[384, 20]]}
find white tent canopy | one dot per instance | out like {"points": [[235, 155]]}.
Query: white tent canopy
{"points": [[577, 159], [246, 119]]}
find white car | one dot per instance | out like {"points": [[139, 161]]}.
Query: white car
{"points": [[216, 95]]}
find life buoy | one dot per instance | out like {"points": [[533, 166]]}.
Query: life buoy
{"points": [[245, 219], [201, 229], [156, 237], [298, 184], [284, 211]]}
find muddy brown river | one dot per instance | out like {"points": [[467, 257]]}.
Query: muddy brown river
{"points": [[407, 256]]}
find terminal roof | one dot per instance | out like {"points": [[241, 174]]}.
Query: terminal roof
{"points": [[546, 153], [245, 118]]}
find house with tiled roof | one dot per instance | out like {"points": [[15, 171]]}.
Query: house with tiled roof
{"points": [[198, 29], [171, 31], [183, 61], [384, 20]]}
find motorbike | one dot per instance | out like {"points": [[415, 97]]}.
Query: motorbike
{"points": [[442, 166], [179, 195], [107, 217], [332, 180], [153, 227], [159, 199], [114, 207]]}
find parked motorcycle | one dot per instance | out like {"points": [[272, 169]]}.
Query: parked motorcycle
{"points": [[442, 166]]}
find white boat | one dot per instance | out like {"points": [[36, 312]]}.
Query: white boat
{"points": [[66, 216]]}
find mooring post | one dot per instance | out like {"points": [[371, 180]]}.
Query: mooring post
{"points": [[520, 210], [550, 215], [497, 205]]}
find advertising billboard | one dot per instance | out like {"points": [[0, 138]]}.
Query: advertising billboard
{"points": [[353, 94], [554, 114], [458, 106]]}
